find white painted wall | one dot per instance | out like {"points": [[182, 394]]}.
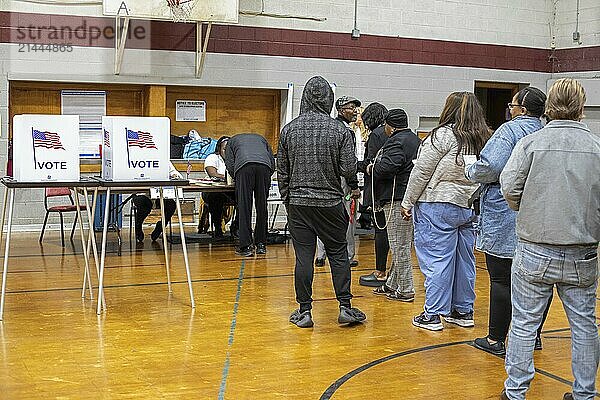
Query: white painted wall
{"points": [[589, 23]]}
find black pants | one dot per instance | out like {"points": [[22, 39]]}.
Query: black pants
{"points": [[330, 225], [382, 246], [216, 201], [252, 180], [500, 304], [143, 205]]}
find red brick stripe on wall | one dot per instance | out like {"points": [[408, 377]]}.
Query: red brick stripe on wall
{"points": [[233, 39]]}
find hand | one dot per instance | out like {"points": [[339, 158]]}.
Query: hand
{"points": [[355, 194], [406, 214]]}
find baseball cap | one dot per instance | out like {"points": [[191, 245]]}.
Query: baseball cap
{"points": [[342, 101]]}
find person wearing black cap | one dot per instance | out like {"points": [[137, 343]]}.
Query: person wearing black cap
{"points": [[347, 108], [390, 172], [315, 152], [497, 237]]}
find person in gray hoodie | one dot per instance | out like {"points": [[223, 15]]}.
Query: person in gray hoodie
{"points": [[315, 151], [552, 181]]}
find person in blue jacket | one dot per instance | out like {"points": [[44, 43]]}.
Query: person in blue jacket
{"points": [[497, 237]]}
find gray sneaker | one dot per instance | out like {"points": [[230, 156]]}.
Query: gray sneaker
{"points": [[350, 315], [302, 319]]}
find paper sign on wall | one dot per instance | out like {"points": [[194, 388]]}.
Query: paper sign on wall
{"points": [[46, 148], [190, 110], [135, 148]]}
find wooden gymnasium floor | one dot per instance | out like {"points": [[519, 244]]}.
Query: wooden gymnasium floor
{"points": [[238, 343]]}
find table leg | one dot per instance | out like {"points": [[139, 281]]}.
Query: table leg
{"points": [[184, 247], [3, 213], [103, 255], [11, 203], [91, 234], [164, 236], [86, 255]]}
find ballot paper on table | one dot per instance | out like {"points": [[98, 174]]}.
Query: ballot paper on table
{"points": [[168, 192]]}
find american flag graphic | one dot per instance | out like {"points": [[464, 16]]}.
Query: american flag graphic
{"points": [[48, 140], [106, 138], [140, 139]]}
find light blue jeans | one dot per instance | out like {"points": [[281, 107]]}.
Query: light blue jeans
{"points": [[444, 241], [536, 269]]}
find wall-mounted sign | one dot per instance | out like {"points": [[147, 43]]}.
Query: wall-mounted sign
{"points": [[190, 111]]}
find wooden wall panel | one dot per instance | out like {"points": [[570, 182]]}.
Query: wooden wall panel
{"points": [[229, 111], [44, 98]]}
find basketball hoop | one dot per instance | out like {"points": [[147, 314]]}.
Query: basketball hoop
{"points": [[181, 10]]}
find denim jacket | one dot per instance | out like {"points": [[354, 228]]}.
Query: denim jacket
{"points": [[497, 221]]}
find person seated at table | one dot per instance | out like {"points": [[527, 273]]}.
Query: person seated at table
{"points": [[214, 165], [144, 204]]}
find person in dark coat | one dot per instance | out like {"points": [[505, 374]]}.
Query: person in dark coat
{"points": [[315, 152], [391, 170], [249, 159], [374, 119]]}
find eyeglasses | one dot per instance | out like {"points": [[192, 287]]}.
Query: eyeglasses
{"points": [[351, 108], [511, 105]]}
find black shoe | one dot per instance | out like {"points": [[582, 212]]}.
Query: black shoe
{"points": [[568, 396], [302, 319], [350, 315], [353, 263], [320, 262], [157, 231], [371, 280], [497, 349], [432, 323], [465, 320], [261, 248], [246, 251]]}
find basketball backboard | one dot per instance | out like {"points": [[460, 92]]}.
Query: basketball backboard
{"points": [[204, 10]]}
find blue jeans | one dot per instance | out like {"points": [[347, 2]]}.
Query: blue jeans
{"points": [[444, 241], [536, 269]]}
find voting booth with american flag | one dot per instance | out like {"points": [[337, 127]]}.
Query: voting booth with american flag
{"points": [[46, 148], [135, 148]]}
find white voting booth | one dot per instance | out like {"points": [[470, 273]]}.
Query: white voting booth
{"points": [[135, 148], [46, 148]]}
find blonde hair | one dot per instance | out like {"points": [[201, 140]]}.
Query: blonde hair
{"points": [[361, 126], [566, 99]]}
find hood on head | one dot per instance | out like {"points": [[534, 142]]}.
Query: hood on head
{"points": [[317, 96]]}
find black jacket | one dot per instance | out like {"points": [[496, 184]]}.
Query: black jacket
{"points": [[315, 151], [247, 148], [394, 164]]}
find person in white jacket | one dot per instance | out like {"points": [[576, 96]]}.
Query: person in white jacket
{"points": [[438, 197]]}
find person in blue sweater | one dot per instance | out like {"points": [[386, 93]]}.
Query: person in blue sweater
{"points": [[497, 237]]}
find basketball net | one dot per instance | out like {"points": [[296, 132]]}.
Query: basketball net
{"points": [[181, 10]]}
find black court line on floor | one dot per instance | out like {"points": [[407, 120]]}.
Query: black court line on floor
{"points": [[330, 391]]}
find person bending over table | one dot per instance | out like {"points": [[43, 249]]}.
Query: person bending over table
{"points": [[143, 205], [249, 159], [214, 165]]}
